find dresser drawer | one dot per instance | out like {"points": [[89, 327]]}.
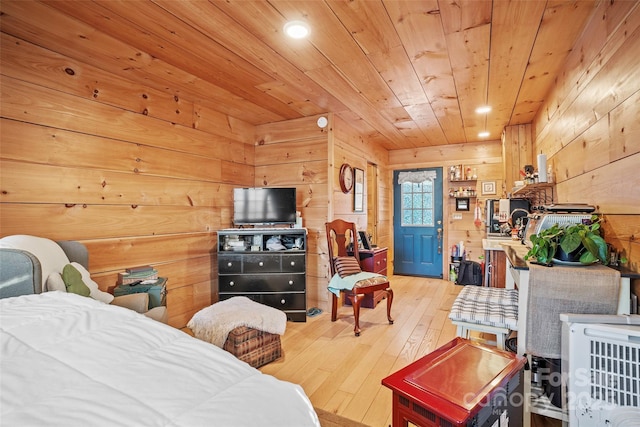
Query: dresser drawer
{"points": [[229, 264], [282, 301], [285, 301], [293, 263], [262, 283], [375, 263], [262, 263]]}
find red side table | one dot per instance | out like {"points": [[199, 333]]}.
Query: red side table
{"points": [[461, 383]]}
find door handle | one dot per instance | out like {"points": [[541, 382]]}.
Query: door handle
{"points": [[439, 230]]}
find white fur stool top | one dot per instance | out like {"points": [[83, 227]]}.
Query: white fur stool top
{"points": [[213, 323]]}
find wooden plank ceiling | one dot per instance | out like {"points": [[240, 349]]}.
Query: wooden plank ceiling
{"points": [[405, 73]]}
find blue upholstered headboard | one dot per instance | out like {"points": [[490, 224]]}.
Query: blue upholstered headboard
{"points": [[20, 272]]}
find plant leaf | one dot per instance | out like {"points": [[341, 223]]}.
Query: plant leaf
{"points": [[602, 249], [588, 258], [570, 242]]}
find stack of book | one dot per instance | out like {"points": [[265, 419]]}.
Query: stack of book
{"points": [[135, 274]]}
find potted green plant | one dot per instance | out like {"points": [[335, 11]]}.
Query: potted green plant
{"points": [[574, 242]]}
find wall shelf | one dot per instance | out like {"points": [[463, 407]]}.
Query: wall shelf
{"points": [[537, 194]]}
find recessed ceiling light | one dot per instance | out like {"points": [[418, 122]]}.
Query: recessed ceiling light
{"points": [[483, 110], [297, 29], [483, 134]]}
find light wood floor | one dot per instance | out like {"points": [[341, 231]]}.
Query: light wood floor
{"points": [[341, 373]]}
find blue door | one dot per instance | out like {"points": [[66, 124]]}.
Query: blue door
{"points": [[417, 222]]}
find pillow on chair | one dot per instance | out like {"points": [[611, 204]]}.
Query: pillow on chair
{"points": [[96, 293], [346, 266], [73, 280]]}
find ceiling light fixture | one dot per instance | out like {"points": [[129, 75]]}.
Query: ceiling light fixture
{"points": [[483, 134], [483, 110], [297, 29]]}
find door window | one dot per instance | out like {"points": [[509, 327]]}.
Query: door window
{"points": [[417, 203]]}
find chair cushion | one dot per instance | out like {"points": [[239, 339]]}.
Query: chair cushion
{"points": [[346, 266], [371, 281], [486, 306]]}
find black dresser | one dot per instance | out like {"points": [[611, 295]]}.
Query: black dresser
{"points": [[267, 265]]}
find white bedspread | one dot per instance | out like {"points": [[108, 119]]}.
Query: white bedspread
{"points": [[68, 360]]}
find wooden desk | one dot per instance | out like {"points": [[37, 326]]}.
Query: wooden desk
{"points": [[517, 276], [460, 384]]}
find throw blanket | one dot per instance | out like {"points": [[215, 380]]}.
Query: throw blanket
{"points": [[213, 323], [592, 289], [337, 283]]}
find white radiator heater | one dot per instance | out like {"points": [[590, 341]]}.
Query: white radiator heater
{"points": [[601, 370]]}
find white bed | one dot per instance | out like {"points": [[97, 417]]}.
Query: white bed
{"points": [[68, 360]]}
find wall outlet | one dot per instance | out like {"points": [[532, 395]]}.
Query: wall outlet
{"points": [[457, 216]]}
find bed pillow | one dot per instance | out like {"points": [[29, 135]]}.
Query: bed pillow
{"points": [[55, 283], [94, 290], [346, 266], [73, 281]]}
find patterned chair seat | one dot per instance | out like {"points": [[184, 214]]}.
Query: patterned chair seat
{"points": [[493, 310]]}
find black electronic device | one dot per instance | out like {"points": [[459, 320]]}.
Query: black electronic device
{"points": [[264, 206]]}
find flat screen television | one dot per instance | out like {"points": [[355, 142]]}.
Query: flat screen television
{"points": [[264, 206]]}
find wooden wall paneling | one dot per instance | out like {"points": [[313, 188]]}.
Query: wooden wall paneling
{"points": [[586, 153], [153, 26], [554, 38], [590, 120], [240, 174], [305, 173], [117, 254], [30, 103], [45, 145], [518, 152], [603, 79], [604, 23], [613, 189], [44, 26], [25, 61], [84, 221], [216, 123], [489, 152], [292, 130], [56, 184], [624, 128], [622, 231], [312, 150], [181, 272]]}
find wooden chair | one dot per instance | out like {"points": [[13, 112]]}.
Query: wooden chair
{"points": [[343, 243]]}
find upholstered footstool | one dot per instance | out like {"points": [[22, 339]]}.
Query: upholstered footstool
{"points": [[247, 329], [253, 346]]}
